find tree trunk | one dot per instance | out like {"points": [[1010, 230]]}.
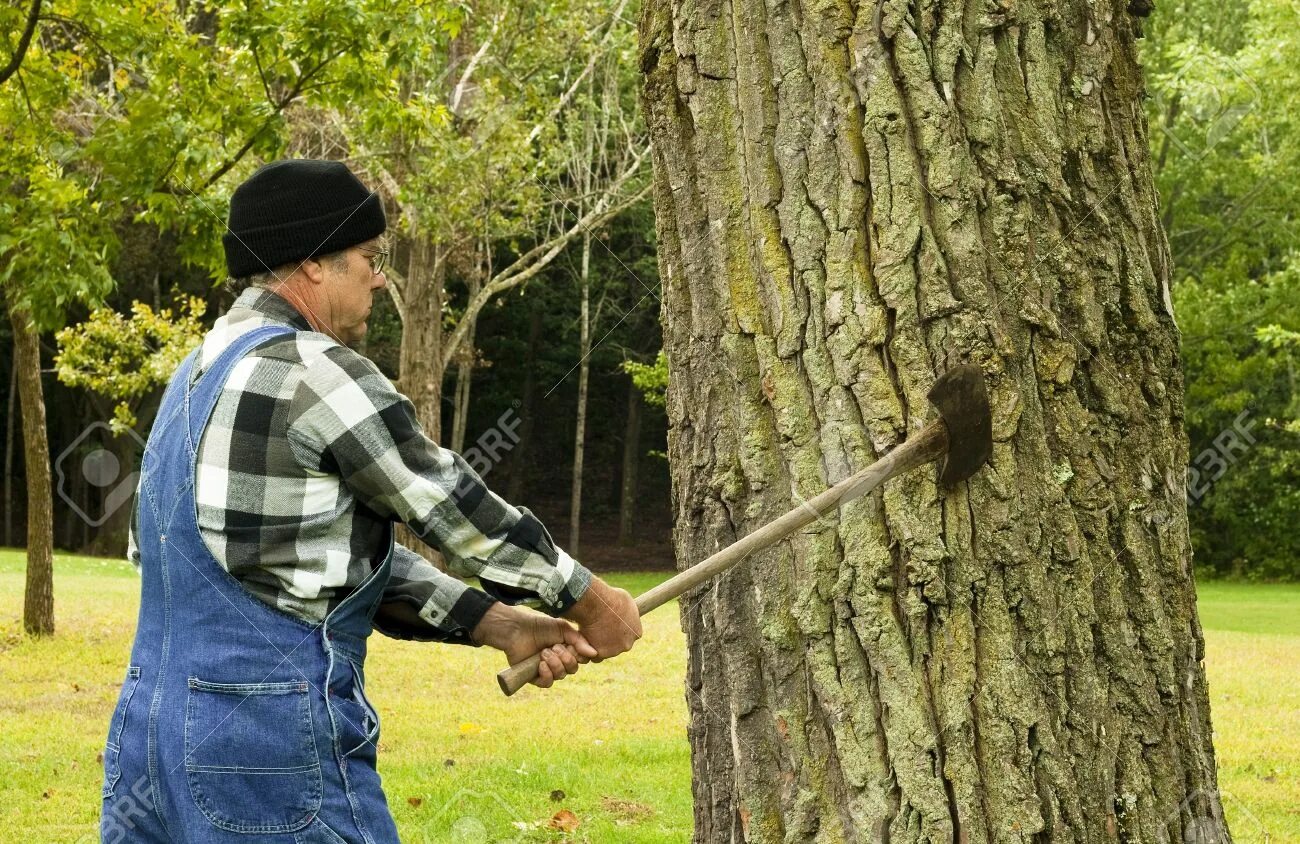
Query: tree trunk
{"points": [[421, 362], [519, 456], [584, 372], [631, 465], [10, 424], [38, 602], [851, 199], [460, 407]]}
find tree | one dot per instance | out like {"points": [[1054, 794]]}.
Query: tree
{"points": [[127, 361], [851, 199], [464, 147], [118, 114], [1225, 87]]}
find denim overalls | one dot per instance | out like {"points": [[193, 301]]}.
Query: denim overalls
{"points": [[236, 722]]}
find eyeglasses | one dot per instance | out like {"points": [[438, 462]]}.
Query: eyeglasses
{"points": [[377, 258]]}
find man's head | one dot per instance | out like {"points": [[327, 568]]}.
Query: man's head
{"points": [[309, 231]]}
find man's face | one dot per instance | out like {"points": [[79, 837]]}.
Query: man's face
{"points": [[350, 291]]}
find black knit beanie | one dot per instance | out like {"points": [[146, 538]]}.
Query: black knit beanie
{"points": [[292, 210]]}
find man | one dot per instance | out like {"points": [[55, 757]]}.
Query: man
{"points": [[278, 464]]}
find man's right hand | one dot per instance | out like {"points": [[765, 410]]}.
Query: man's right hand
{"points": [[608, 618]]}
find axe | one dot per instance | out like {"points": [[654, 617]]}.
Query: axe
{"points": [[962, 436]]}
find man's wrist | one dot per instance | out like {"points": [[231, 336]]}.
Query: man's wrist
{"points": [[592, 603], [497, 627]]}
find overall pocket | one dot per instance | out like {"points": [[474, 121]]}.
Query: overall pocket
{"points": [[113, 747], [356, 721], [250, 755]]}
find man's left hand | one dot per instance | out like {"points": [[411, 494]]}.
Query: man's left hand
{"points": [[521, 633]]}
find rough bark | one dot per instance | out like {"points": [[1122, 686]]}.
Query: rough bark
{"points": [[851, 198], [38, 599], [631, 464], [421, 362]]}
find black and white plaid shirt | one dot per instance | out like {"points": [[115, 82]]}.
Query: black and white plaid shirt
{"points": [[311, 452]]}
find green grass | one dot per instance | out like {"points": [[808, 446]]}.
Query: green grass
{"points": [[461, 762]]}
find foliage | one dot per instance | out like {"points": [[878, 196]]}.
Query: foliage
{"points": [[124, 358], [650, 378], [1225, 95]]}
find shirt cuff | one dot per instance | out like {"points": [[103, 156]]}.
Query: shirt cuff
{"points": [[465, 615], [559, 590]]}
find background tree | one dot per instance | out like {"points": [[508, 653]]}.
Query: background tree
{"points": [[1225, 92], [852, 199], [132, 114]]}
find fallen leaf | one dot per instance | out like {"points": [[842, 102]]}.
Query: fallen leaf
{"points": [[557, 795], [564, 821], [415, 801], [448, 763], [469, 728]]}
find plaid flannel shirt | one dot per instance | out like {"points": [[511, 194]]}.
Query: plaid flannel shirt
{"points": [[311, 453]]}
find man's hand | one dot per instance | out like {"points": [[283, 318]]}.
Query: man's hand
{"points": [[608, 618], [520, 633]]}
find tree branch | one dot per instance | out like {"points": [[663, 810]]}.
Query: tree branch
{"points": [[537, 259], [24, 41]]}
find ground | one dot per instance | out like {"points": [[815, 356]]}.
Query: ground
{"points": [[606, 750]]}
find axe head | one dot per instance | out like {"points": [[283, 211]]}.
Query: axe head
{"points": [[963, 402]]}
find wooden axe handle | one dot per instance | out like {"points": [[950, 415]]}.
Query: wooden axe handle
{"points": [[930, 444]]}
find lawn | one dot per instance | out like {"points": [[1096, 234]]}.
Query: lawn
{"points": [[463, 763]]}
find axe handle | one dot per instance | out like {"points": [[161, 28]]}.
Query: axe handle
{"points": [[930, 444]]}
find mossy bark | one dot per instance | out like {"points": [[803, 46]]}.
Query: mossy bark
{"points": [[852, 198]]}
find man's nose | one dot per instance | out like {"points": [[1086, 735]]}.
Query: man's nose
{"points": [[380, 280]]}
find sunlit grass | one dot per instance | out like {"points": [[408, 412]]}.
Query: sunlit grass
{"points": [[459, 760]]}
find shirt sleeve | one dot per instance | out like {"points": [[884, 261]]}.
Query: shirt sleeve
{"points": [[451, 608], [347, 418]]}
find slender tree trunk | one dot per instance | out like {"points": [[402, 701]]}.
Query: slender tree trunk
{"points": [[460, 409], [10, 424], [519, 456], [584, 372], [851, 199], [38, 602], [464, 382], [627, 508]]}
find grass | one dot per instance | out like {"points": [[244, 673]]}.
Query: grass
{"points": [[461, 762]]}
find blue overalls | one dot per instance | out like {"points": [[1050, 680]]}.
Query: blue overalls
{"points": [[236, 722]]}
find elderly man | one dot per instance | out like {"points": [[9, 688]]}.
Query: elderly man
{"points": [[279, 462]]}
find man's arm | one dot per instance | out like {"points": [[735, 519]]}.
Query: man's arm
{"points": [[420, 602], [347, 419], [132, 549], [423, 603]]}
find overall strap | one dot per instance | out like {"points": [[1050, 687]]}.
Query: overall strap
{"points": [[201, 394]]}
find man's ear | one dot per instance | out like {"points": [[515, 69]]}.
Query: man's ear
{"points": [[314, 270]]}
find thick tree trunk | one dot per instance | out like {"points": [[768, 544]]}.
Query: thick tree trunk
{"points": [[631, 463], [421, 360], [584, 373], [38, 602], [851, 199]]}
